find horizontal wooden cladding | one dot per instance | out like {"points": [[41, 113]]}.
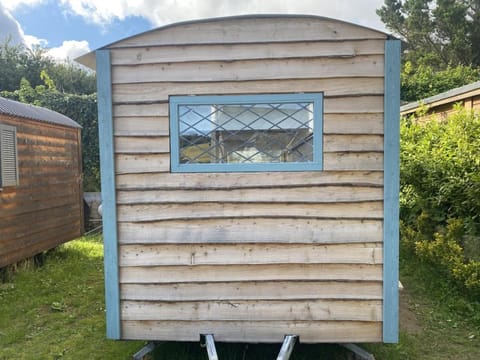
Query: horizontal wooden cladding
{"points": [[344, 143], [253, 29], [251, 231], [142, 144], [141, 163], [343, 105], [159, 91], [154, 212], [247, 180], [29, 209], [272, 272], [363, 161], [253, 290], [309, 194], [254, 331], [244, 254], [41, 241], [242, 51], [300, 68], [27, 195], [370, 123], [141, 126], [254, 310]]}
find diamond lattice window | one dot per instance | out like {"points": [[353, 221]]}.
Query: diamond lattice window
{"points": [[246, 133]]}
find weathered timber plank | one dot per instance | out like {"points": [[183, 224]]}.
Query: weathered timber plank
{"points": [[332, 143], [230, 52], [271, 310], [253, 290], [141, 163], [370, 123], [248, 180], [159, 144], [351, 161], [160, 91], [215, 273], [309, 194], [244, 254], [353, 105], [24, 195], [303, 68], [141, 126], [246, 30], [153, 212], [12, 210], [159, 109], [254, 331], [251, 231]]}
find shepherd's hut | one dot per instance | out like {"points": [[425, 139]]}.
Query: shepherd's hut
{"points": [[40, 180], [250, 180]]}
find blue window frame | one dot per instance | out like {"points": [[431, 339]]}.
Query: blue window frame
{"points": [[246, 133]]}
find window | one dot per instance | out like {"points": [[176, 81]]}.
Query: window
{"points": [[8, 156], [270, 132]]}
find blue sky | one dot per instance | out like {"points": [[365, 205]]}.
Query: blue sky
{"points": [[73, 27]]}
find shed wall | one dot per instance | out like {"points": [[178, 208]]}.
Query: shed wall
{"points": [[45, 209], [251, 257]]}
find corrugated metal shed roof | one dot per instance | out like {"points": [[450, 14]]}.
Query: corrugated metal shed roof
{"points": [[15, 108]]}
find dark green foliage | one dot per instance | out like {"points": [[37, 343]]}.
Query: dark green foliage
{"points": [[18, 62], [438, 33], [440, 195], [442, 43], [424, 81]]}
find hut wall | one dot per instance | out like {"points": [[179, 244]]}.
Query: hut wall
{"points": [[45, 209], [251, 256]]}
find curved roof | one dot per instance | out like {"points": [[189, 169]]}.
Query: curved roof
{"points": [[164, 31], [15, 108]]}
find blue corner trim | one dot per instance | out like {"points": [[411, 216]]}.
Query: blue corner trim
{"points": [[391, 191], [107, 172], [315, 98]]}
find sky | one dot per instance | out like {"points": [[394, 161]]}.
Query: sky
{"points": [[70, 28]]}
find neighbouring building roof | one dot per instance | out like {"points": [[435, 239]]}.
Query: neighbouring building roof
{"points": [[18, 109], [450, 96]]}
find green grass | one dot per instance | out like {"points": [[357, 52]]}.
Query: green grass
{"points": [[56, 311]]}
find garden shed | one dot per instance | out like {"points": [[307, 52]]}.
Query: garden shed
{"points": [[40, 180], [250, 180]]}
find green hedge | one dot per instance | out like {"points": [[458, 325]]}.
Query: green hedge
{"points": [[440, 195]]}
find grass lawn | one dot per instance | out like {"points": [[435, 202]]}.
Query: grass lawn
{"points": [[56, 311]]}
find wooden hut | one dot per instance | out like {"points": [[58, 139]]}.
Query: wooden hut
{"points": [[40, 180], [442, 105], [250, 180]]}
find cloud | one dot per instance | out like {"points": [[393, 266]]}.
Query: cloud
{"points": [[69, 50], [10, 28], [162, 12], [13, 4]]}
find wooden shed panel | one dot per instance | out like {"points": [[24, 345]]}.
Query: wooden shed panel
{"points": [[253, 290], [336, 161], [153, 212], [353, 123], [157, 91], [248, 180], [278, 272], [141, 126], [142, 163], [230, 52], [251, 231], [332, 143], [142, 144], [246, 30], [254, 332], [304, 68], [244, 254], [310, 194], [254, 310]]}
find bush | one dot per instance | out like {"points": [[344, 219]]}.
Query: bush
{"points": [[440, 195]]}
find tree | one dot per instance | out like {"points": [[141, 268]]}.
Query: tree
{"points": [[438, 33], [17, 62]]}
